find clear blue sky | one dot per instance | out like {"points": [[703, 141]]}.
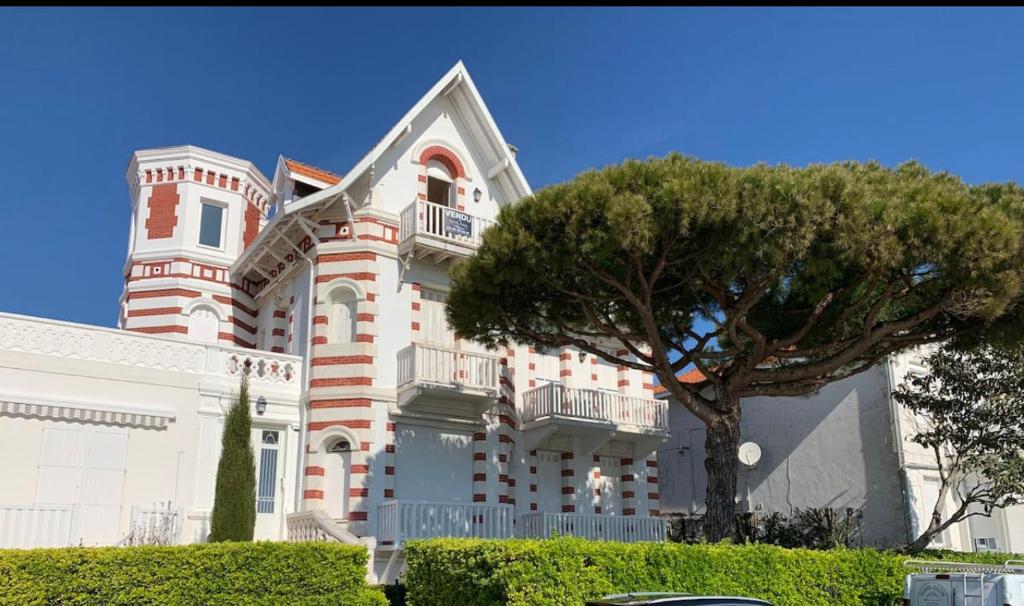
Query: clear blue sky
{"points": [[573, 88]]}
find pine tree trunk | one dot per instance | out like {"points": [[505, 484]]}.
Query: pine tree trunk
{"points": [[721, 462]]}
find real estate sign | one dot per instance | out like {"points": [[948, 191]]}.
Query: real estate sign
{"points": [[457, 223]]}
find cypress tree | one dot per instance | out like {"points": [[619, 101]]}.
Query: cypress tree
{"points": [[234, 502]]}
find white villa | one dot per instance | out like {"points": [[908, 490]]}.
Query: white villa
{"points": [[372, 423]]}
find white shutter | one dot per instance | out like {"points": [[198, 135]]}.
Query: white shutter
{"points": [[210, 430], [549, 478], [611, 486], [434, 327], [434, 464]]}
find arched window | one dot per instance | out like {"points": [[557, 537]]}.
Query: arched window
{"points": [[440, 184], [203, 324], [342, 322], [340, 446]]}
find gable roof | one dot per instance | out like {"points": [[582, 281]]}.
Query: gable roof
{"points": [[313, 172], [503, 169]]}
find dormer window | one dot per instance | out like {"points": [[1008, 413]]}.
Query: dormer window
{"points": [[440, 184], [303, 189]]}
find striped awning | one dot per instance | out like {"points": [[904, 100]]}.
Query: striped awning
{"points": [[104, 414]]}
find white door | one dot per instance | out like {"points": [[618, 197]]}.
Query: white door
{"points": [[269, 480], [549, 481], [337, 475], [611, 486], [85, 467]]}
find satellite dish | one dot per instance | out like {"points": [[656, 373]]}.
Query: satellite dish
{"points": [[749, 454]]}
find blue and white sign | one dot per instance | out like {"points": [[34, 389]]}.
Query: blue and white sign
{"points": [[457, 223]]}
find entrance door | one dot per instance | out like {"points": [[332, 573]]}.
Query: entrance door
{"points": [[269, 478], [337, 471]]}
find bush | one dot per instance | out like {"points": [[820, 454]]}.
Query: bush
{"points": [[222, 573], [810, 528], [570, 571]]}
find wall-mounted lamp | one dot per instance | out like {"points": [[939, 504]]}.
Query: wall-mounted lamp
{"points": [[583, 356], [261, 405], [477, 194]]}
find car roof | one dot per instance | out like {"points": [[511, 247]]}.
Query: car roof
{"points": [[654, 598]]}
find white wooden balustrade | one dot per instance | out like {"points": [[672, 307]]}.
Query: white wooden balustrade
{"points": [[420, 363], [399, 521], [438, 222], [555, 399], [628, 529], [37, 526]]}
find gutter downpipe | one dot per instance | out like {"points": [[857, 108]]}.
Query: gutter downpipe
{"points": [[898, 443]]}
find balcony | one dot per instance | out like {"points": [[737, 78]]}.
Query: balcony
{"points": [[445, 380], [597, 416], [628, 529], [399, 521], [438, 233]]}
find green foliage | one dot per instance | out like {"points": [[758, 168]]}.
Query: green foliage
{"points": [[972, 404], [234, 503], [226, 573], [818, 270], [567, 572]]}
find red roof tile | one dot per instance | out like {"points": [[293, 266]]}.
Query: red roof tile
{"points": [[312, 172], [689, 377]]}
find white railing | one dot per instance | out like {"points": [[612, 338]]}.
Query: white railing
{"points": [[399, 521], [628, 529], [556, 399], [93, 343], [317, 526], [28, 526], [420, 363], [154, 526], [441, 222]]}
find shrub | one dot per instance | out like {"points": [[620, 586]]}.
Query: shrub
{"points": [[222, 573], [234, 501]]}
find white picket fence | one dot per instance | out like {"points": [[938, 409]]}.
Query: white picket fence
{"points": [[400, 521], [28, 526], [628, 529]]}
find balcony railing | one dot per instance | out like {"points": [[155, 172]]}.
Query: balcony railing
{"points": [[441, 223], [628, 529], [555, 399], [445, 367], [399, 521]]}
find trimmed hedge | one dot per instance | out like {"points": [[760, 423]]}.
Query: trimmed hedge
{"points": [[222, 573], [567, 572]]}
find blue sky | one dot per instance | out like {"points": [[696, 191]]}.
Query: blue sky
{"points": [[572, 88]]}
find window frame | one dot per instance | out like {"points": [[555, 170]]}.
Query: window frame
{"points": [[203, 203]]}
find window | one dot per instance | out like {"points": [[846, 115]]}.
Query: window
{"points": [[267, 487], [340, 446], [439, 184], [343, 316], [986, 544], [303, 189], [211, 225]]}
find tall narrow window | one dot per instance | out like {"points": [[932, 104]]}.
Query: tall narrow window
{"points": [[210, 225], [267, 487]]}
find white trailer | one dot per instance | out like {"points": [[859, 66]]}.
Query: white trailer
{"points": [[964, 584]]}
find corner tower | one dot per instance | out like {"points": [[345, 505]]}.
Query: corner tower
{"points": [[194, 212]]}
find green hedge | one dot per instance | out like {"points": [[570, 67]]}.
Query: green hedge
{"points": [[567, 572], [223, 573]]}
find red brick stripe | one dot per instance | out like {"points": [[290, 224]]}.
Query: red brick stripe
{"points": [[341, 403], [338, 360]]}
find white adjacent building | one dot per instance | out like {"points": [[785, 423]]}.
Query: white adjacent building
{"points": [[375, 423], [849, 445]]}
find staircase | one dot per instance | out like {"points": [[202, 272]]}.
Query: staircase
{"points": [[318, 526]]}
